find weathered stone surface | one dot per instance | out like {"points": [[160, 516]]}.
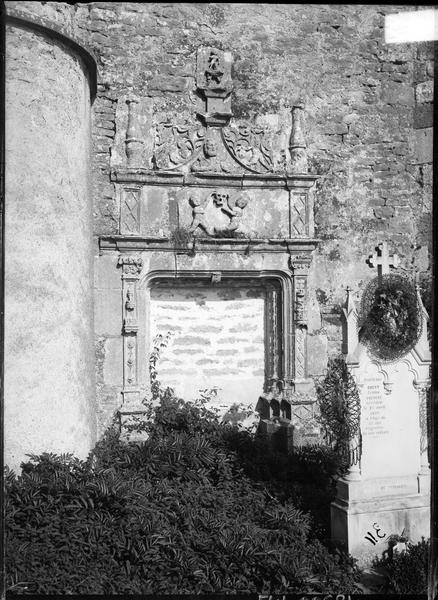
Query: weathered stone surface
{"points": [[360, 107], [424, 92], [49, 354], [423, 116], [424, 145]]}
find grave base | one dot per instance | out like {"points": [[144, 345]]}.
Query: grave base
{"points": [[367, 515]]}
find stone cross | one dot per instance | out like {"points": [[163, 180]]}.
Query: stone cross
{"points": [[382, 260]]}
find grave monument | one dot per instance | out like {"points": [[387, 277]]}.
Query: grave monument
{"points": [[385, 495]]}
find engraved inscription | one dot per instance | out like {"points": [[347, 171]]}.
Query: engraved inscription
{"points": [[374, 415]]}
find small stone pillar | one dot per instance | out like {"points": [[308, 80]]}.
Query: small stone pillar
{"points": [[297, 142]]}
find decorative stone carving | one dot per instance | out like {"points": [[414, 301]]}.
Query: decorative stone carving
{"points": [[209, 159], [297, 142], [247, 145], [422, 388], [130, 211], [231, 207], [300, 352], [131, 265], [131, 359], [176, 145], [299, 263], [298, 219], [300, 303], [213, 81], [131, 269], [213, 72], [134, 144]]}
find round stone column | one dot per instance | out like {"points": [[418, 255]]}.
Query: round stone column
{"points": [[49, 351]]}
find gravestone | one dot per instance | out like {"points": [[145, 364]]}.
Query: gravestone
{"points": [[387, 493]]}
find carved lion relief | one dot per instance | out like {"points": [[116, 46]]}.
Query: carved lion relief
{"points": [[218, 213]]}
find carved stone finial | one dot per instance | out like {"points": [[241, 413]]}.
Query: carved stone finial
{"points": [[134, 143], [297, 142], [382, 260]]}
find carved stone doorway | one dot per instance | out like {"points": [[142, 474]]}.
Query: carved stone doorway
{"points": [[224, 333]]}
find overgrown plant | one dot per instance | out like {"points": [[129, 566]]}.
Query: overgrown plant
{"points": [[407, 571], [178, 513], [339, 407]]}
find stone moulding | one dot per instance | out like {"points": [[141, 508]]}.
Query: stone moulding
{"points": [[124, 243], [282, 368], [144, 176]]}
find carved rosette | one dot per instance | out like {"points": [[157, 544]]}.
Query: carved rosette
{"points": [[131, 269]]}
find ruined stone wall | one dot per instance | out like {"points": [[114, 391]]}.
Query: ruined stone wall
{"points": [[368, 127], [368, 112], [368, 109], [49, 349]]}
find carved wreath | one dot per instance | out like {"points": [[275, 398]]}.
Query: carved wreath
{"points": [[390, 317]]}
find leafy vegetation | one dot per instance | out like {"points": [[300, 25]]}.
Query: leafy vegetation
{"points": [[187, 511], [407, 571]]}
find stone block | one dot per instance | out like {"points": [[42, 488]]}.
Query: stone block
{"points": [[383, 212], [398, 94], [424, 145], [424, 92], [317, 352], [108, 312], [423, 116], [113, 362], [164, 83], [107, 275]]}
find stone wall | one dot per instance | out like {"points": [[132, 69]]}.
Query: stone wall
{"points": [[368, 110], [49, 350], [368, 114]]}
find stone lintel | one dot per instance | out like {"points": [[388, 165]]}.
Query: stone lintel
{"points": [[246, 180], [138, 243]]}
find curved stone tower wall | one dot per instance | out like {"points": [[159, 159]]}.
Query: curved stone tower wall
{"points": [[49, 353]]}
